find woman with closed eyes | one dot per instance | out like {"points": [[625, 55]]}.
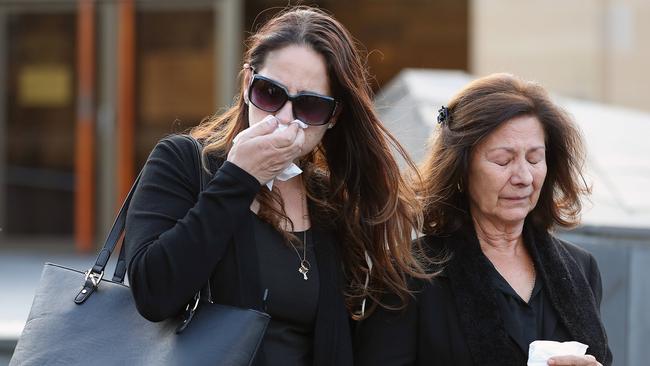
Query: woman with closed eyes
{"points": [[305, 203], [504, 170]]}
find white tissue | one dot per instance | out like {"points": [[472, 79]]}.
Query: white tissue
{"points": [[292, 170], [540, 351]]}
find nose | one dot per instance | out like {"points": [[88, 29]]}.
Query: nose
{"points": [[522, 174], [285, 114]]}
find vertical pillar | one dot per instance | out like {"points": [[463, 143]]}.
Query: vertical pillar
{"points": [[106, 116], [3, 121], [84, 134], [228, 48], [126, 96]]}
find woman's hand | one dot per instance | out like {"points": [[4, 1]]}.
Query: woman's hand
{"points": [[263, 153], [587, 360]]}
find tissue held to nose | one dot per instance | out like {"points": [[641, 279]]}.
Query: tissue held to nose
{"points": [[282, 126], [292, 170]]}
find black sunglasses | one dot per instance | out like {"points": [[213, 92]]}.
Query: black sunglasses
{"points": [[270, 96]]}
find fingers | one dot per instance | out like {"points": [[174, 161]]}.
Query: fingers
{"points": [[285, 137], [282, 135], [286, 145], [267, 148], [592, 358], [587, 360], [264, 127]]}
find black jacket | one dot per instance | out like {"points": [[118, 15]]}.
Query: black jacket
{"points": [[176, 242], [455, 319]]}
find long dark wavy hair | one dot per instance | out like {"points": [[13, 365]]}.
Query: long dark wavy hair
{"points": [[475, 112], [351, 178]]}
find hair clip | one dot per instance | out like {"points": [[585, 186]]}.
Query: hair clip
{"points": [[444, 116]]}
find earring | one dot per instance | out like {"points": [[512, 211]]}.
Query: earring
{"points": [[330, 125], [459, 186]]}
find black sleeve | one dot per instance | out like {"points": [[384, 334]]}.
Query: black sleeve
{"points": [[594, 280], [173, 242], [388, 337]]}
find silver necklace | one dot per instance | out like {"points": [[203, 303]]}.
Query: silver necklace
{"points": [[304, 263]]}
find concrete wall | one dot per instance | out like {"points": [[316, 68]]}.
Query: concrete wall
{"points": [[624, 261]]}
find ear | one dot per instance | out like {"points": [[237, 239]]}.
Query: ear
{"points": [[247, 80]]}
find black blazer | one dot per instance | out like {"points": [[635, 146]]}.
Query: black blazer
{"points": [[175, 242], [454, 319]]}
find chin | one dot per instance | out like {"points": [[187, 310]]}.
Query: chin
{"points": [[514, 216]]}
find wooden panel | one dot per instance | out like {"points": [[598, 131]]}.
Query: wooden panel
{"points": [[396, 33], [176, 67]]}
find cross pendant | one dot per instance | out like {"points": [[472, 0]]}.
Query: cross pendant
{"points": [[303, 270]]}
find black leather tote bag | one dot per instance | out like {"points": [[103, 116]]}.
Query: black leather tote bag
{"points": [[81, 318]]}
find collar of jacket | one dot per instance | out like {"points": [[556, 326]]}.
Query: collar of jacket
{"points": [[475, 298]]}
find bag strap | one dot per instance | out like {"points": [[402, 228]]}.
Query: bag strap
{"points": [[115, 235], [95, 274], [120, 267], [205, 294], [204, 179]]}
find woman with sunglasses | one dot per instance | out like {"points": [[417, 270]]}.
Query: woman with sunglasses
{"points": [[307, 248]]}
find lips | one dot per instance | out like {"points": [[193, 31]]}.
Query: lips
{"points": [[515, 198]]}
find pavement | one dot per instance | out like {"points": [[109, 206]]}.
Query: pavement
{"points": [[20, 271]]}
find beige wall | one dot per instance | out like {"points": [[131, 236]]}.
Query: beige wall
{"points": [[629, 71], [598, 50]]}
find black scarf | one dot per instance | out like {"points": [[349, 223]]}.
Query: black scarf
{"points": [[480, 320]]}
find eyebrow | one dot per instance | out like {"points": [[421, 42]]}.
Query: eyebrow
{"points": [[298, 92], [511, 150]]}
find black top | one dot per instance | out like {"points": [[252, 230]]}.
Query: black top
{"points": [[524, 321], [461, 317], [176, 239], [292, 301]]}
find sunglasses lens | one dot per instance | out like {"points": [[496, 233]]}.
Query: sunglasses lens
{"points": [[313, 110], [267, 96]]}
